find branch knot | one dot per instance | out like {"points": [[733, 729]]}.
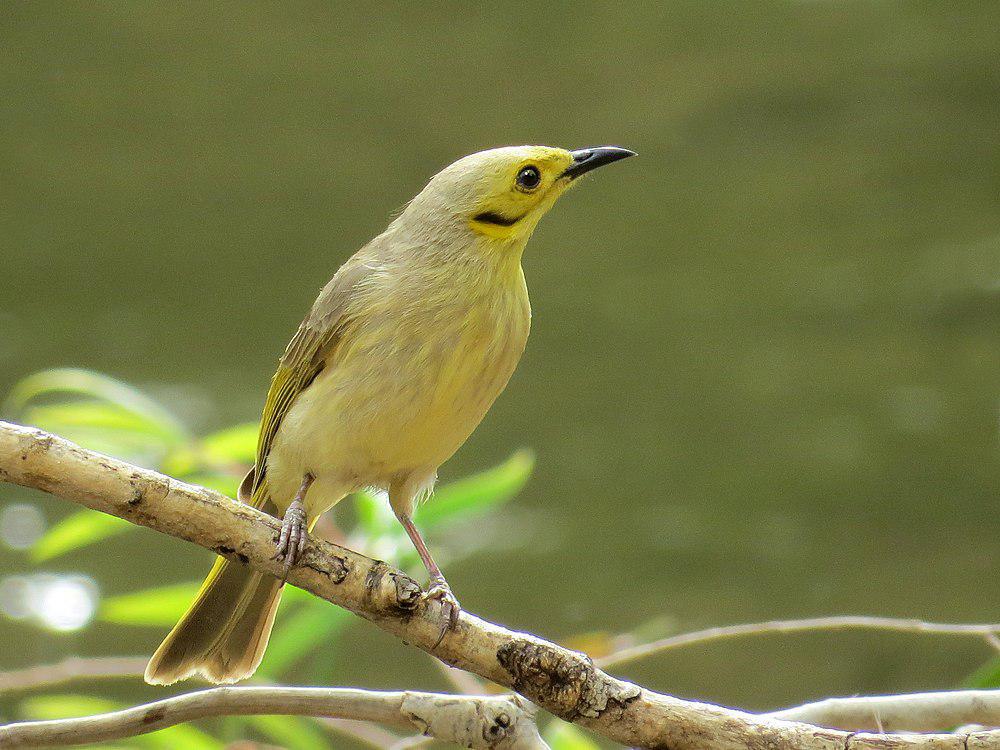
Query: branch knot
{"points": [[562, 681]]}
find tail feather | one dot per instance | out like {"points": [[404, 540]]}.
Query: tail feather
{"points": [[223, 635]]}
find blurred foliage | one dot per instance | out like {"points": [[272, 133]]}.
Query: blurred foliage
{"points": [[102, 413], [562, 736], [987, 676], [76, 530], [160, 606], [180, 737], [291, 732]]}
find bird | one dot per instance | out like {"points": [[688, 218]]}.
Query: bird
{"points": [[396, 363]]}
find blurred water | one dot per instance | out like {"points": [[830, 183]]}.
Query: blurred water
{"points": [[764, 363]]}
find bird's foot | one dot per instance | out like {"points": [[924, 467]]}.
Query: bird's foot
{"points": [[450, 608], [294, 535]]}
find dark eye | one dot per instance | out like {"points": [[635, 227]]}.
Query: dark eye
{"points": [[528, 178]]}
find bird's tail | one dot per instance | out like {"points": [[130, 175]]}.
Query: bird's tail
{"points": [[223, 634]]}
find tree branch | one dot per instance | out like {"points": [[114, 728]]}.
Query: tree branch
{"points": [[71, 668], [916, 712], [989, 633], [489, 722], [563, 682]]}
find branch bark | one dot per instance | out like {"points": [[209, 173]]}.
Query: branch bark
{"points": [[488, 722], [563, 682], [990, 633], [72, 668], [917, 712]]}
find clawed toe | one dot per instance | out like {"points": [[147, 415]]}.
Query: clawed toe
{"points": [[292, 540], [450, 608]]}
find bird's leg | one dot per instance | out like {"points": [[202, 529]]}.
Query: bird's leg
{"points": [[294, 528], [439, 588]]}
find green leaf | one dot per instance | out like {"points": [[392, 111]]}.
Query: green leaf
{"points": [[79, 529], [478, 492], [226, 453], [292, 732], [93, 414], [180, 737], [227, 484], [987, 676], [44, 707], [156, 607], [133, 447], [96, 387], [295, 594], [374, 515], [562, 736], [313, 625], [181, 461], [237, 444], [98, 412]]}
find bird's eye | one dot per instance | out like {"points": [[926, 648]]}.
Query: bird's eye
{"points": [[528, 178]]}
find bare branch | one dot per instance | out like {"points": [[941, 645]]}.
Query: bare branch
{"points": [[916, 712], [489, 722], [69, 669], [988, 633], [109, 667], [563, 682]]}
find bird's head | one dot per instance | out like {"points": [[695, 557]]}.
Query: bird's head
{"points": [[502, 193]]}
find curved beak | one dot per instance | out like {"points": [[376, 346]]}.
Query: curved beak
{"points": [[586, 159]]}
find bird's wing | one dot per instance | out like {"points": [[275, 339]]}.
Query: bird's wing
{"points": [[305, 357]]}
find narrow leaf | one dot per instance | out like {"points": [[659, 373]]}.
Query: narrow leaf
{"points": [[313, 625], [237, 444], [94, 414], [135, 448], [478, 492], [295, 594], [562, 736], [79, 529], [373, 513], [291, 732], [181, 737], [987, 676], [159, 607], [227, 484], [93, 385], [45, 707]]}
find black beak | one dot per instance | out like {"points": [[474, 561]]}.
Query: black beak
{"points": [[586, 159]]}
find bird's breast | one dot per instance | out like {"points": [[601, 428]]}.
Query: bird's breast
{"points": [[408, 387], [446, 375]]}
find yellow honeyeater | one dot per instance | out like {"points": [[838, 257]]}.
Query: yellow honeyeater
{"points": [[396, 363]]}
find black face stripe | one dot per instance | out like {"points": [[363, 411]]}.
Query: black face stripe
{"points": [[489, 217]]}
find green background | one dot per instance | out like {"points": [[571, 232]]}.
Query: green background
{"points": [[763, 372]]}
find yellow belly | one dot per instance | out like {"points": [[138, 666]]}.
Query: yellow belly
{"points": [[396, 403]]}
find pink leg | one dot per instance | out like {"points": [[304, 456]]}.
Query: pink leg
{"points": [[439, 588]]}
